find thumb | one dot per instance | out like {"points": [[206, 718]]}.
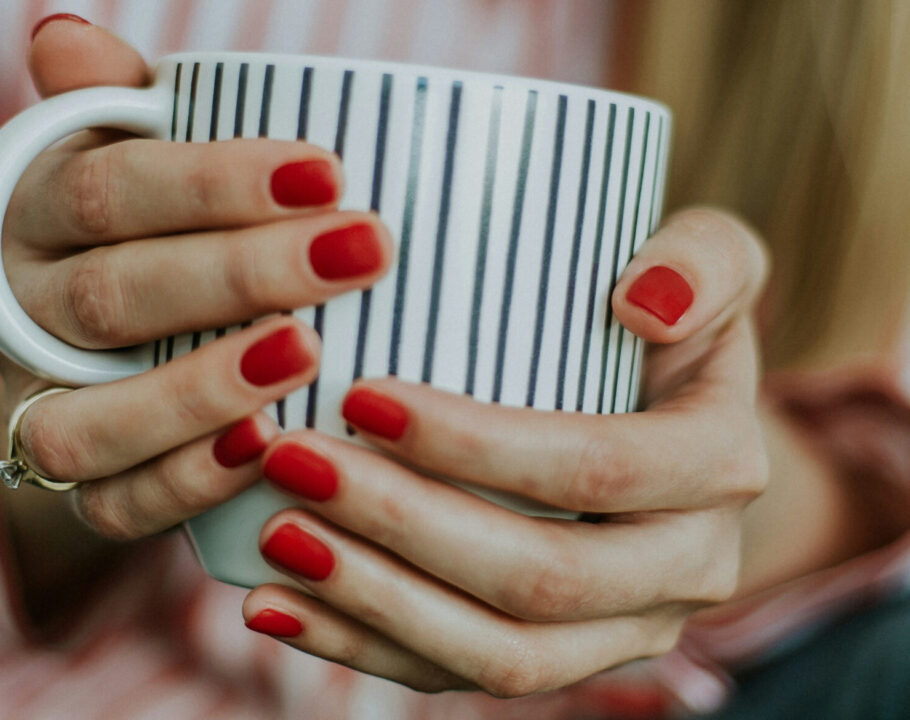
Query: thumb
{"points": [[68, 53], [690, 291], [702, 268]]}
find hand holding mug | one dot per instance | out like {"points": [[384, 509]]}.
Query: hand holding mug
{"points": [[111, 241], [417, 581]]}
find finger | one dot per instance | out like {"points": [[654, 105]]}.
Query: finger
{"points": [[307, 624], [538, 569], [672, 457], [503, 656], [67, 54], [700, 269], [98, 431], [135, 291], [138, 188], [178, 485]]}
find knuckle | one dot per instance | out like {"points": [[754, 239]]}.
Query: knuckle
{"points": [[103, 510], [205, 187], [194, 406], [719, 581], [514, 672], [95, 302], [545, 590], [666, 636], [254, 277], [717, 574], [89, 189], [185, 488], [351, 650], [54, 448], [599, 477], [747, 465]]}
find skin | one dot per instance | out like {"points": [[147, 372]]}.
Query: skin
{"points": [[449, 591]]}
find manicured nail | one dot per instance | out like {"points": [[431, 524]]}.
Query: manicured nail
{"points": [[300, 470], [273, 622], [346, 253], [57, 16], [299, 552], [308, 182], [375, 413], [275, 358], [239, 445], [662, 292]]}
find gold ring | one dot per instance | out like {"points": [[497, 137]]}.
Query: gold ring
{"points": [[15, 470]]}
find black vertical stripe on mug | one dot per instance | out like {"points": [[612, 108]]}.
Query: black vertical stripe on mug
{"points": [[568, 307], [632, 240], [177, 74], [407, 224], [486, 212], [188, 136], [546, 257], [216, 101], [655, 201], [617, 241], [595, 260], [241, 99], [512, 254], [319, 318], [191, 112], [169, 349], [213, 132], [303, 111], [265, 111], [385, 97], [442, 228], [632, 398], [265, 108]]}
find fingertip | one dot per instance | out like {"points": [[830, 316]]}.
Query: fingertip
{"points": [[68, 52]]}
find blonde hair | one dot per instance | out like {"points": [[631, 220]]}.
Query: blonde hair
{"points": [[796, 114]]}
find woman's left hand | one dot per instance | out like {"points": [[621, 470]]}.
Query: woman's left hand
{"points": [[423, 583]]}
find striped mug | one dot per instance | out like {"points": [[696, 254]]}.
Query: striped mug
{"points": [[516, 203]]}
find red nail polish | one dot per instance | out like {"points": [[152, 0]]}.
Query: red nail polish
{"points": [[662, 292], [308, 182], [346, 253], [276, 357], [273, 622], [57, 16], [239, 445], [299, 552], [300, 470], [375, 413]]}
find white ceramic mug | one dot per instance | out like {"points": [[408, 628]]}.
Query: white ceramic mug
{"points": [[516, 202]]}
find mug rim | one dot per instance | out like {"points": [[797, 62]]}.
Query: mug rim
{"points": [[437, 71]]}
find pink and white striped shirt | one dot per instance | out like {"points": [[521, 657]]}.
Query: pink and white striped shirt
{"points": [[162, 640]]}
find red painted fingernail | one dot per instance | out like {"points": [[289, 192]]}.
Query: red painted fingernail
{"points": [[57, 16], [375, 413], [276, 357], [239, 445], [299, 552], [662, 292], [308, 182], [300, 470], [273, 622], [347, 252]]}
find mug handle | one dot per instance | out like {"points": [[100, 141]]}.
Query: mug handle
{"points": [[144, 111]]}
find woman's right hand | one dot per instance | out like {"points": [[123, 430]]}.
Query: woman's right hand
{"points": [[110, 241]]}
